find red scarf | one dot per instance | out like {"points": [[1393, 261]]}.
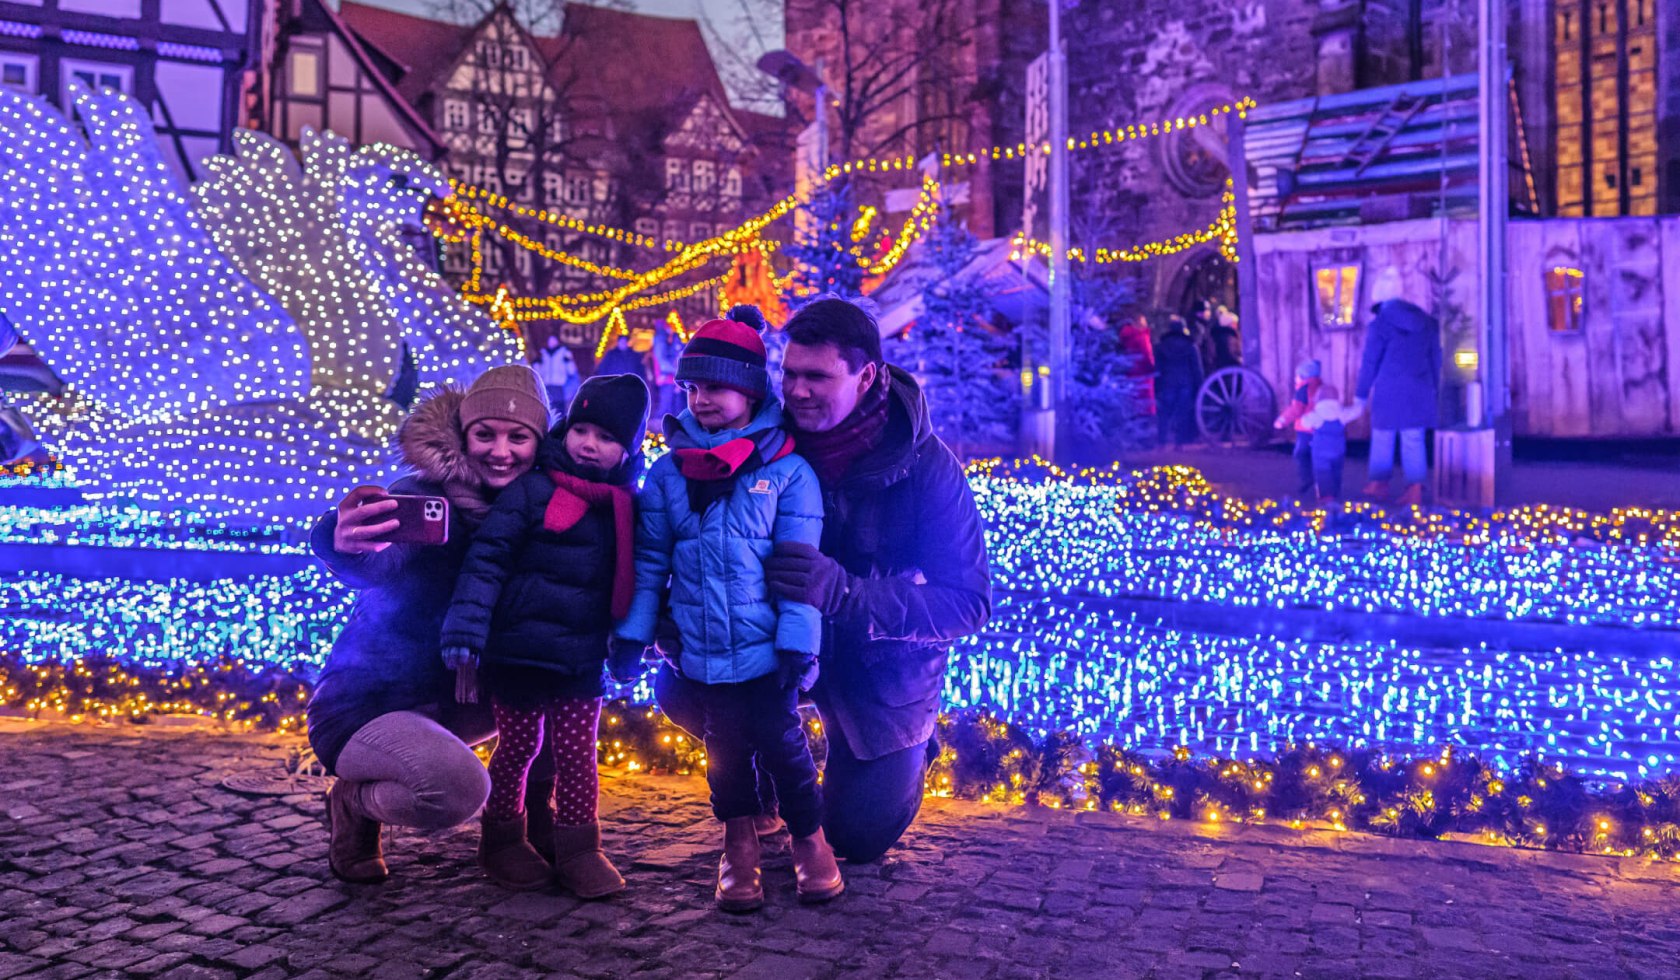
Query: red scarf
{"points": [[710, 473], [832, 453], [572, 499]]}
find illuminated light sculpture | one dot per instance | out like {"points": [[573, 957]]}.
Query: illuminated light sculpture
{"points": [[232, 349]]}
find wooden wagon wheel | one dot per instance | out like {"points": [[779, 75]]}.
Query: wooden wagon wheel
{"points": [[1235, 406]]}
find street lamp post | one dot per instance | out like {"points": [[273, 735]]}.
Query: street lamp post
{"points": [[1059, 284]]}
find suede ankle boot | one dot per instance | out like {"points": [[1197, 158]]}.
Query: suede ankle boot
{"points": [[353, 853], [1412, 496], [813, 863], [580, 865], [508, 858], [740, 885], [539, 817]]}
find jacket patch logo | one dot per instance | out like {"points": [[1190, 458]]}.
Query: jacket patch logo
{"points": [[762, 486]]}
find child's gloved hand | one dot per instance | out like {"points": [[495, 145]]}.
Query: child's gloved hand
{"points": [[457, 657], [796, 670], [624, 661]]}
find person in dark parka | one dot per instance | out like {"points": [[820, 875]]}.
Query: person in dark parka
{"points": [[900, 574], [381, 717], [548, 575], [1400, 378], [1179, 375]]}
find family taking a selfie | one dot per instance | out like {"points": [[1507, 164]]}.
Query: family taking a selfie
{"points": [[826, 548]]}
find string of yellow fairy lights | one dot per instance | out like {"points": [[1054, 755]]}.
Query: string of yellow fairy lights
{"points": [[590, 308]]}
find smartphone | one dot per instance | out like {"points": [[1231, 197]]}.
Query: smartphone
{"points": [[420, 519]]}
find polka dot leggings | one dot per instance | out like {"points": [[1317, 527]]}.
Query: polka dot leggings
{"points": [[571, 737]]}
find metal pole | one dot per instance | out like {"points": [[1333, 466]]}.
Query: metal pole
{"points": [[1060, 339], [822, 120], [1494, 211]]}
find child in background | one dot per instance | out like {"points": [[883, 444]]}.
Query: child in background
{"points": [[1327, 421], [547, 575], [712, 509], [1307, 379]]}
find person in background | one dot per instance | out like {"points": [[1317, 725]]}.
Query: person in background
{"points": [[1327, 421], [558, 370], [1400, 377], [1178, 378], [1308, 377], [621, 359], [1136, 346], [1225, 340]]}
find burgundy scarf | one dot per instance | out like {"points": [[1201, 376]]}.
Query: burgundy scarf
{"points": [[833, 453], [573, 496]]}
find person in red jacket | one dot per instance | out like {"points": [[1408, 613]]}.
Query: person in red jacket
{"points": [[1307, 379]]}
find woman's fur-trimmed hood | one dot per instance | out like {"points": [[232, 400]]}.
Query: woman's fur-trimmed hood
{"points": [[431, 442]]}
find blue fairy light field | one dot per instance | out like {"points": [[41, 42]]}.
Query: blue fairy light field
{"points": [[1064, 650]]}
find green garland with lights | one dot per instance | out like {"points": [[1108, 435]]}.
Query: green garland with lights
{"points": [[981, 757]]}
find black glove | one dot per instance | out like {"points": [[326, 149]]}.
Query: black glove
{"points": [[796, 670], [803, 574], [624, 661]]}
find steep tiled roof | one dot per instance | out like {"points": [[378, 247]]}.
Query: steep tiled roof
{"points": [[419, 48]]}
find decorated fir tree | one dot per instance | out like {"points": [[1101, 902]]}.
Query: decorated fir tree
{"points": [[962, 365], [826, 259]]}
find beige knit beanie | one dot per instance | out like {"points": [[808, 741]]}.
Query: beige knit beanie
{"points": [[513, 393]]}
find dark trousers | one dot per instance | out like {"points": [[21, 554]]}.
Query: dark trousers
{"points": [[756, 724], [1327, 473], [1304, 475], [867, 803]]}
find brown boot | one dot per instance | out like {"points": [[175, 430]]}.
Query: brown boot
{"points": [[768, 824], [1412, 496], [508, 858], [581, 866], [1375, 490], [740, 885], [354, 852], [818, 874], [539, 817]]}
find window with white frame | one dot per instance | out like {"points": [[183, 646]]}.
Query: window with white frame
{"points": [[95, 75], [519, 128], [676, 175], [647, 226], [673, 231], [699, 231], [303, 69], [732, 182], [455, 115], [704, 172], [577, 189], [1335, 285], [553, 187], [19, 72], [486, 118], [602, 188]]}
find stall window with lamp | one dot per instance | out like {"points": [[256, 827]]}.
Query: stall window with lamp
{"points": [[1564, 299], [1335, 286]]}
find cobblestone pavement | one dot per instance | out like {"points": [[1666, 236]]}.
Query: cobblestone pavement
{"points": [[122, 856]]}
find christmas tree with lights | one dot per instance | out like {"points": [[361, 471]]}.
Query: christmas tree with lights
{"points": [[826, 260]]}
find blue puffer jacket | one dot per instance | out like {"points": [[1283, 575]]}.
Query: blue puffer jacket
{"points": [[732, 628]]}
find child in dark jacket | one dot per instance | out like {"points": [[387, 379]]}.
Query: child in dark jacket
{"points": [[1327, 421], [712, 510], [1307, 379], [546, 577]]}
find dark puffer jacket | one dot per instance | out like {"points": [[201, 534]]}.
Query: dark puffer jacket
{"points": [[533, 603], [1400, 370], [387, 658], [903, 521]]}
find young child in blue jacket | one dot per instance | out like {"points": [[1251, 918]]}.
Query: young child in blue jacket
{"points": [[710, 513]]}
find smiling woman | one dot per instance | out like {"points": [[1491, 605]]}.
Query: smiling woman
{"points": [[382, 718]]}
